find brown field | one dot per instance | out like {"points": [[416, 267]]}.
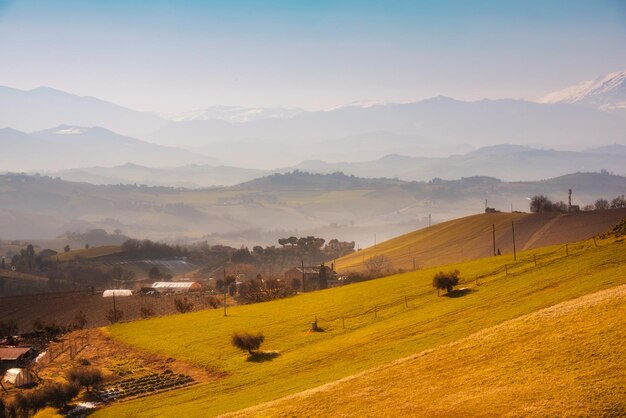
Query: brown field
{"points": [[63, 307], [470, 238]]}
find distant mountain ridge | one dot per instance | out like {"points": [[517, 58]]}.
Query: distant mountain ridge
{"points": [[67, 146], [505, 161]]}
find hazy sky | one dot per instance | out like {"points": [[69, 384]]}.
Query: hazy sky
{"points": [[171, 56]]}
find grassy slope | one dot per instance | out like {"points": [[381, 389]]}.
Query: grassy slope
{"points": [[308, 360], [86, 253], [471, 237], [575, 349]]}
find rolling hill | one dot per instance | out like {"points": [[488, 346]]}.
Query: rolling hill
{"points": [[371, 324], [261, 211], [509, 369], [472, 237]]}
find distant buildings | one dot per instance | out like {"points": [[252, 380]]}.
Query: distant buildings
{"points": [[314, 277]]}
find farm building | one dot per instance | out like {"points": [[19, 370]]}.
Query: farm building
{"points": [[116, 292], [311, 276], [18, 377], [176, 287], [15, 356]]}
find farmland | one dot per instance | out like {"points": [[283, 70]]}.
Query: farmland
{"points": [[64, 306], [364, 326], [472, 237]]}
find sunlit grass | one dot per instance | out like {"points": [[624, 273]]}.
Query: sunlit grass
{"points": [[310, 359]]}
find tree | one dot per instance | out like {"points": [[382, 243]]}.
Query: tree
{"points": [[87, 376], [58, 394], [247, 342], [540, 203], [66, 248], [446, 280], [155, 273], [618, 202], [602, 204]]}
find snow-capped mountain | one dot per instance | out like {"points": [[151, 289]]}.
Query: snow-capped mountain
{"points": [[606, 92], [236, 114]]}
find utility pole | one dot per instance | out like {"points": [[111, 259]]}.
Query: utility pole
{"points": [[493, 234], [486, 205], [303, 276], [429, 220], [513, 230], [224, 292], [114, 309]]}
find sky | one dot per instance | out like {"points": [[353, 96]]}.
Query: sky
{"points": [[176, 56]]}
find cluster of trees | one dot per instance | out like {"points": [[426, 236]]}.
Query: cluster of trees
{"points": [[26, 404], [541, 203], [152, 249], [261, 290], [55, 394], [311, 244]]}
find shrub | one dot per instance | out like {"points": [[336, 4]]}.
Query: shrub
{"points": [[247, 342], [87, 377], [114, 315], [79, 321], [146, 311], [446, 280], [214, 302], [183, 305]]}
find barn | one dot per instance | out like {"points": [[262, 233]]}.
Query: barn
{"points": [[18, 377], [15, 356], [116, 292], [176, 287]]}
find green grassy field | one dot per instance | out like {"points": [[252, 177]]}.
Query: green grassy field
{"points": [[309, 359], [565, 360]]}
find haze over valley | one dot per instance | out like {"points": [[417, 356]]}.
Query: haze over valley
{"points": [[354, 208]]}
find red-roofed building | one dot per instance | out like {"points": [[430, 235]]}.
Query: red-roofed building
{"points": [[15, 356]]}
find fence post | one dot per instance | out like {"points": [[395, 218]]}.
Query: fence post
{"points": [[375, 312], [535, 259], [506, 269], [343, 322], [594, 242], [406, 303], [566, 249]]}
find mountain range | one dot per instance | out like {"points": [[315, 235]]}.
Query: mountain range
{"points": [[506, 162], [589, 114], [607, 92]]}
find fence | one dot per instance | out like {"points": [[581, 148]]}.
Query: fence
{"points": [[55, 349], [528, 262]]}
